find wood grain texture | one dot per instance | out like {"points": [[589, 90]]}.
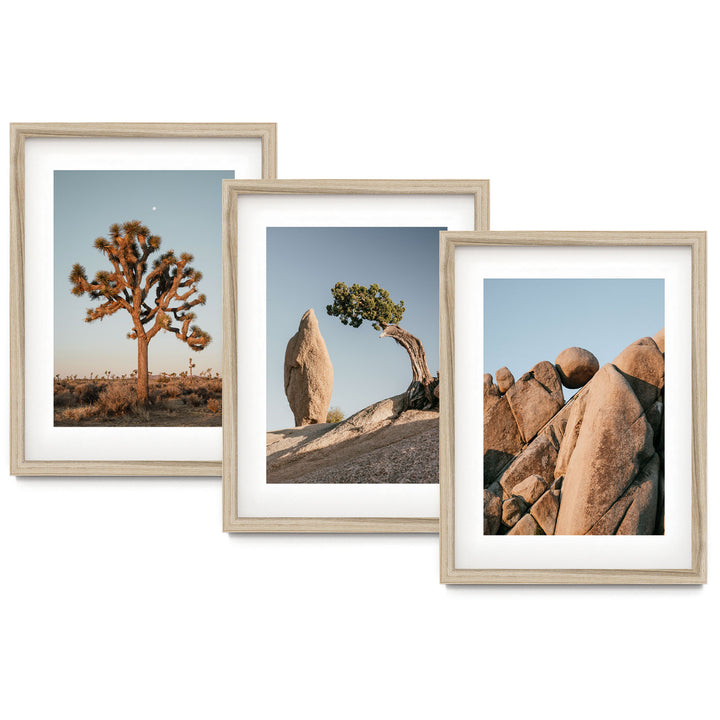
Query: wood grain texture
{"points": [[19, 132], [232, 189], [697, 574]]}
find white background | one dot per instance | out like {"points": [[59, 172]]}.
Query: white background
{"points": [[122, 598]]}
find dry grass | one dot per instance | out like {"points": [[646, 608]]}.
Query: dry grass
{"points": [[174, 401]]}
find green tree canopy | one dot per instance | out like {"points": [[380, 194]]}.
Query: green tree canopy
{"points": [[357, 303]]}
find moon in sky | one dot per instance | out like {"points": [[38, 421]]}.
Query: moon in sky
{"points": [[154, 208]]}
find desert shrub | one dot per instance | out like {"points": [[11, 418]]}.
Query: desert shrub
{"points": [[192, 399], [76, 414], [116, 399], [215, 386], [213, 405], [88, 393], [63, 398], [335, 415], [172, 390], [202, 392]]}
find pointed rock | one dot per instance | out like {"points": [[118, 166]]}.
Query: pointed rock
{"points": [[308, 373]]}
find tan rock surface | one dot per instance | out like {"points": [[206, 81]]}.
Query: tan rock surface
{"points": [[614, 442], [576, 366], [492, 509], [308, 373], [512, 510], [501, 438], [491, 394], [643, 366], [634, 513], [527, 525], [538, 458], [530, 489], [505, 379], [659, 338], [545, 510], [535, 398]]}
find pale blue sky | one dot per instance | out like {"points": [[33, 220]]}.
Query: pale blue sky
{"points": [[528, 320], [303, 264], [184, 207]]}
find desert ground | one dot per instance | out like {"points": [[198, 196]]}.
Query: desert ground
{"points": [[111, 401]]}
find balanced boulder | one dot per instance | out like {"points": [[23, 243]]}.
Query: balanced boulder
{"points": [[576, 366], [308, 373]]}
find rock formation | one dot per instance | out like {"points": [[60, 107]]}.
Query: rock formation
{"points": [[576, 366], [308, 373], [383, 443], [592, 466]]}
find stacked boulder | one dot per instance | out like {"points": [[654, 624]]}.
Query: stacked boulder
{"points": [[592, 466]]}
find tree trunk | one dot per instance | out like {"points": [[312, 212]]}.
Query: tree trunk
{"points": [[142, 378], [420, 394]]}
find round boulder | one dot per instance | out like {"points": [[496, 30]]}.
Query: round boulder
{"points": [[576, 366]]}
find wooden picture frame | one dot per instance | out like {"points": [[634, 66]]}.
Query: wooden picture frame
{"points": [[455, 529], [21, 134], [472, 194]]}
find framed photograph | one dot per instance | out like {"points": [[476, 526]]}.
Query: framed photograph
{"points": [[116, 299], [573, 374], [328, 425]]}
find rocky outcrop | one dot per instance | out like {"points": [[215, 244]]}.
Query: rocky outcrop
{"points": [[308, 373], [576, 366], [593, 466], [383, 443]]}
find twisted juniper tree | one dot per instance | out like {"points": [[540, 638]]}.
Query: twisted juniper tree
{"points": [[357, 303], [161, 299]]}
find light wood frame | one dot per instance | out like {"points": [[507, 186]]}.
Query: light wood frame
{"points": [[19, 133], [697, 574], [232, 189]]}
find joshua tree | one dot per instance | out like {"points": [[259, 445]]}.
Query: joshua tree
{"points": [[151, 297], [357, 303]]}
